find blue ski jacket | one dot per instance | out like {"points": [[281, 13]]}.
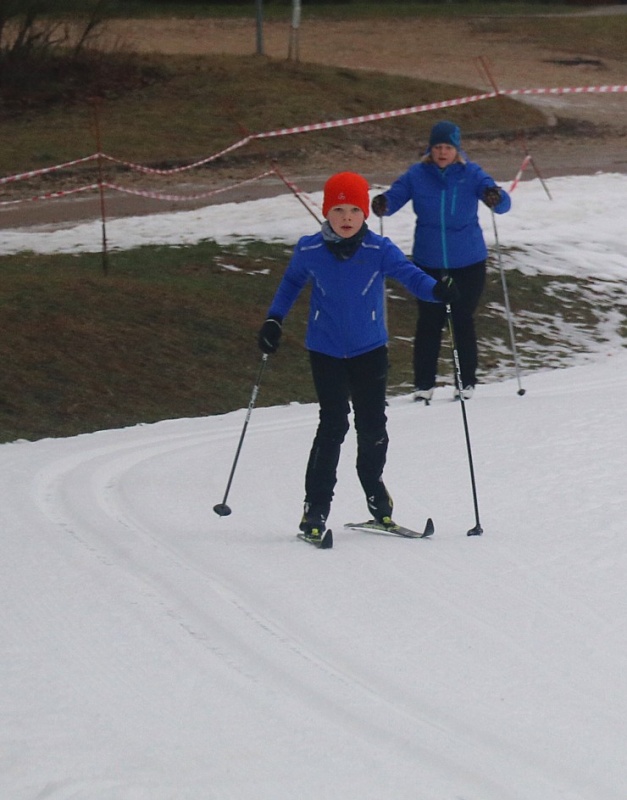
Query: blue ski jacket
{"points": [[346, 311], [447, 233]]}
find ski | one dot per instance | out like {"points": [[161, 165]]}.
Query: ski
{"points": [[393, 528], [324, 543]]}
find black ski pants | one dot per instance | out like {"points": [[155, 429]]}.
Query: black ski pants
{"points": [[361, 380], [431, 320]]}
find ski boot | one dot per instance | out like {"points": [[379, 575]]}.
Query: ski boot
{"points": [[380, 505], [314, 522]]}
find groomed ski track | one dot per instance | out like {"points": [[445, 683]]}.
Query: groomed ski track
{"points": [[154, 651]]}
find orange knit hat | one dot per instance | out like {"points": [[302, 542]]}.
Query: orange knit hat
{"points": [[346, 188]]}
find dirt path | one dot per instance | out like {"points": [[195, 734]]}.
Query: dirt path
{"points": [[446, 51], [459, 52]]}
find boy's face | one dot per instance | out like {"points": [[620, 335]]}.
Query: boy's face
{"points": [[346, 220]]}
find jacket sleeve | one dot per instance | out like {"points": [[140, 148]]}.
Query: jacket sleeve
{"points": [[399, 193], [291, 285], [401, 269]]}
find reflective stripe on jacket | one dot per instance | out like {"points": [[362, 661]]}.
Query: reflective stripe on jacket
{"points": [[346, 313]]}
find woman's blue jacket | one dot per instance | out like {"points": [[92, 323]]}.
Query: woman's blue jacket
{"points": [[346, 311], [447, 233]]}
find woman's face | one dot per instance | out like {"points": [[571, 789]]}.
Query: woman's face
{"points": [[443, 154]]}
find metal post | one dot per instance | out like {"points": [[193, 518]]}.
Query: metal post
{"points": [[105, 256], [294, 46], [259, 13]]}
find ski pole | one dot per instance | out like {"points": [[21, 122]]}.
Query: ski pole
{"points": [[508, 311], [477, 530], [221, 509]]}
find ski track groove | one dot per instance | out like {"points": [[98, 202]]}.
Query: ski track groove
{"points": [[90, 484], [103, 507]]}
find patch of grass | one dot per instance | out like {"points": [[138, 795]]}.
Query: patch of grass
{"points": [[170, 332], [555, 318], [199, 106], [56, 81]]}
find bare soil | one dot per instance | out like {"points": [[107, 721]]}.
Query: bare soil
{"points": [[585, 132]]}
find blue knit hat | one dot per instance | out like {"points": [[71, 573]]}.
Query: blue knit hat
{"points": [[446, 133]]}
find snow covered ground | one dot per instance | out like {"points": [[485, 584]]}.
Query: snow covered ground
{"points": [[154, 651]]}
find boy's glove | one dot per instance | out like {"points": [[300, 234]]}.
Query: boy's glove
{"points": [[492, 196], [269, 335], [379, 205], [445, 290]]}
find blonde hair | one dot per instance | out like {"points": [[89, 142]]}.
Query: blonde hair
{"points": [[428, 158]]}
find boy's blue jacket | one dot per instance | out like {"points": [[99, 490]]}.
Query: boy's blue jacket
{"points": [[346, 313], [447, 233]]}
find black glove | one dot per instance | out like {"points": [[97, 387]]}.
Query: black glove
{"points": [[492, 196], [269, 335], [445, 290], [379, 205]]}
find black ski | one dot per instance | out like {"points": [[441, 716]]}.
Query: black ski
{"points": [[324, 543], [393, 529]]}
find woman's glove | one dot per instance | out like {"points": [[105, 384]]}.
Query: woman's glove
{"points": [[445, 290], [269, 335], [492, 196], [379, 205]]}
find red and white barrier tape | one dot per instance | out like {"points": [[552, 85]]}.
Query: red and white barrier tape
{"points": [[137, 192], [51, 195], [184, 198], [401, 112], [174, 170], [317, 126], [35, 172], [567, 90]]}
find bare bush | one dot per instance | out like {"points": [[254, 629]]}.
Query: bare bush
{"points": [[34, 30], [55, 51]]}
